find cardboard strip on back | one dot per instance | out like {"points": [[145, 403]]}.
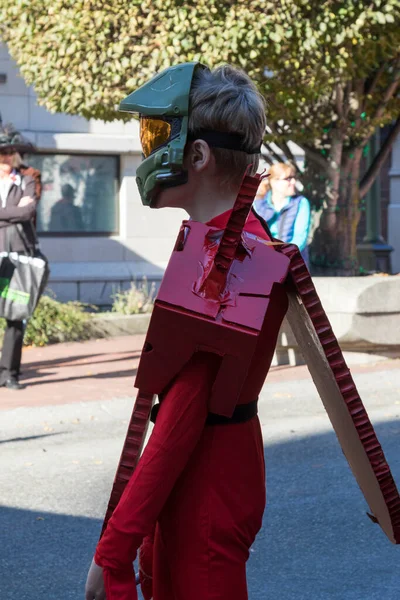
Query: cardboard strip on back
{"points": [[131, 451]]}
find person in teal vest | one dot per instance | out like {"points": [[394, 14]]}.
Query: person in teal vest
{"points": [[286, 212]]}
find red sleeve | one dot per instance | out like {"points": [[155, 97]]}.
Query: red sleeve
{"points": [[180, 423]]}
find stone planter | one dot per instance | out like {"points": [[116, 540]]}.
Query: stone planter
{"points": [[364, 313], [114, 324]]}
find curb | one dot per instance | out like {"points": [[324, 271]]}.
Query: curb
{"points": [[114, 324]]}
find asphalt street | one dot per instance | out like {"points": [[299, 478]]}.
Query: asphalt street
{"points": [[57, 465]]}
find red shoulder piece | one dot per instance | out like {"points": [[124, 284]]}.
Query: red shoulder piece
{"points": [[215, 297], [340, 397]]}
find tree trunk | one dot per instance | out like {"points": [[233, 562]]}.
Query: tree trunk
{"points": [[333, 250]]}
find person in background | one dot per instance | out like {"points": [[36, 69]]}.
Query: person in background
{"points": [[37, 177], [286, 212], [65, 216], [17, 206], [24, 168]]}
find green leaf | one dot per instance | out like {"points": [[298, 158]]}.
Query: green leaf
{"points": [[381, 18]]}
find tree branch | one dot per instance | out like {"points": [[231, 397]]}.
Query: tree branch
{"points": [[339, 100], [390, 91], [267, 159], [346, 99], [285, 147], [282, 143], [379, 159], [272, 152], [370, 89], [316, 157]]}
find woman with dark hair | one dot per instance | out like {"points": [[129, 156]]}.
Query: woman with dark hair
{"points": [[17, 206]]}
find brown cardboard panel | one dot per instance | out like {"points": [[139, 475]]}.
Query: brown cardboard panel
{"points": [[338, 411], [340, 397]]}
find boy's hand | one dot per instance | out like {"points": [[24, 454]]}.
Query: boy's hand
{"points": [[25, 201], [94, 589]]}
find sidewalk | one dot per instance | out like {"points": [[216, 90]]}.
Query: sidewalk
{"points": [[76, 372], [105, 369]]}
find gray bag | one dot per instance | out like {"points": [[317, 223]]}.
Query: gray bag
{"points": [[23, 278]]}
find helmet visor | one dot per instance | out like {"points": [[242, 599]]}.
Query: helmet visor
{"points": [[153, 134]]}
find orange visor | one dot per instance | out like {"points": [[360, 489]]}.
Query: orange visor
{"points": [[153, 134]]}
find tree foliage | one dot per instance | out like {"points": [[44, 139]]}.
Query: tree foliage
{"points": [[83, 56], [329, 69]]}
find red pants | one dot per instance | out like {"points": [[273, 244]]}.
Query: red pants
{"points": [[204, 486], [212, 517]]}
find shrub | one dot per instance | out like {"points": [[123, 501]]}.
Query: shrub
{"points": [[138, 299], [54, 322]]}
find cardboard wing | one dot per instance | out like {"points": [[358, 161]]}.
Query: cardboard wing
{"points": [[340, 397]]}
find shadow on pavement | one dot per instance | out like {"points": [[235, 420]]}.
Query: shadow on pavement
{"points": [[109, 375], [30, 437], [316, 544], [43, 557], [56, 362]]}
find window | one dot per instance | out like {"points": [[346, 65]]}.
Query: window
{"points": [[79, 194]]}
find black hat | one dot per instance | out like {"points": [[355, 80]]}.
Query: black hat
{"points": [[11, 139]]}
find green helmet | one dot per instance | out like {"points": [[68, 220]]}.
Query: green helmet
{"points": [[163, 106]]}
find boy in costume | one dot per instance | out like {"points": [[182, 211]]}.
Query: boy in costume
{"points": [[198, 489], [203, 484]]}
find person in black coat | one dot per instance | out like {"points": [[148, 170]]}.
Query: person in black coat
{"points": [[18, 202]]}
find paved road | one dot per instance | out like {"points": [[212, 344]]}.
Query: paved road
{"points": [[57, 464]]}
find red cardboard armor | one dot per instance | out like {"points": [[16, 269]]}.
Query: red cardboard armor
{"points": [[224, 292]]}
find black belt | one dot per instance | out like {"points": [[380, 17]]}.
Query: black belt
{"points": [[241, 414]]}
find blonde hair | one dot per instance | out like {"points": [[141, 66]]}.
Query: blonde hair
{"points": [[225, 99], [278, 170]]}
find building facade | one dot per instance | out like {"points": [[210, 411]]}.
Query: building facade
{"points": [[91, 222]]}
